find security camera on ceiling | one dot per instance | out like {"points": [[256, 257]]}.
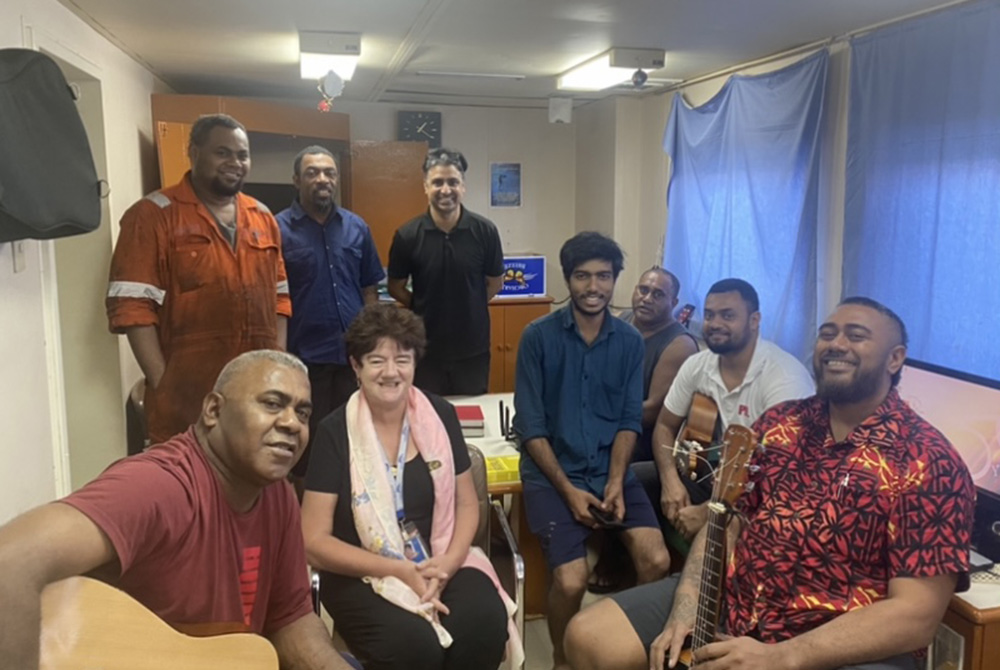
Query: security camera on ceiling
{"points": [[330, 86]]}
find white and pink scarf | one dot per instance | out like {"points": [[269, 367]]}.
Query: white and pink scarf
{"points": [[374, 508]]}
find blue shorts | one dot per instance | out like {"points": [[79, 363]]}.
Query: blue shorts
{"points": [[562, 538]]}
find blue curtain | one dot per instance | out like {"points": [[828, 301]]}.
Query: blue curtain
{"points": [[922, 208], [743, 194]]}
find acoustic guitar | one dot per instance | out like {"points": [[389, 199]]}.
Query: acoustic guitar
{"points": [[738, 444], [88, 625], [694, 439]]}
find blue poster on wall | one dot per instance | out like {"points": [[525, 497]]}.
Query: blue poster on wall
{"points": [[505, 184]]}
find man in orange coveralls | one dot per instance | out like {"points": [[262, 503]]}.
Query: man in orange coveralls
{"points": [[197, 277]]}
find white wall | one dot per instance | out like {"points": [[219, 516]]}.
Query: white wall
{"points": [[653, 172], [628, 229], [33, 455], [27, 467], [621, 180], [596, 133]]}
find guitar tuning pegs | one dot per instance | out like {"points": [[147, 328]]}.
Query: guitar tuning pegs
{"points": [[754, 469], [750, 486]]}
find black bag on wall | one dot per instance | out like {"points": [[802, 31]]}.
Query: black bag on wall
{"points": [[48, 183]]}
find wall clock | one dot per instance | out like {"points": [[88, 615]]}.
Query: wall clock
{"points": [[419, 127]]}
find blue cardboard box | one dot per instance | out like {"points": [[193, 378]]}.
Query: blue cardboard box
{"points": [[524, 277]]}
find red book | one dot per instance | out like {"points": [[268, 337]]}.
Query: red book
{"points": [[470, 416]]}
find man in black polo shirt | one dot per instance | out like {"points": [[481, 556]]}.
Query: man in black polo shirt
{"points": [[456, 261]]}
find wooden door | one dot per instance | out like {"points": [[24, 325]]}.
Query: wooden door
{"points": [[516, 318], [171, 146], [497, 354], [387, 187]]}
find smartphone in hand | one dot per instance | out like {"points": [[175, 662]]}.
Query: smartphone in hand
{"points": [[605, 519]]}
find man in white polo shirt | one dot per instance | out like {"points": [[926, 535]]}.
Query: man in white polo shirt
{"points": [[743, 374]]}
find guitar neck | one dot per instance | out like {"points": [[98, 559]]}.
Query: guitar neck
{"points": [[730, 482], [710, 587]]}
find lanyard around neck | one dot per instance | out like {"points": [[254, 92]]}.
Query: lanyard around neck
{"points": [[396, 474]]}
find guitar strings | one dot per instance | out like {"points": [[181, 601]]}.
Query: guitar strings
{"points": [[711, 470], [707, 607], [710, 587], [704, 623]]}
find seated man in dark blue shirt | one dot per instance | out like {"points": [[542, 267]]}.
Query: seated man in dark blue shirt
{"points": [[578, 397], [333, 271]]}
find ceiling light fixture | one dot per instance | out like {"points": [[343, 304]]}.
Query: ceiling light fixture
{"points": [[483, 75], [322, 52], [611, 68]]}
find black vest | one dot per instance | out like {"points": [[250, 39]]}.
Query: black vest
{"points": [[655, 345]]}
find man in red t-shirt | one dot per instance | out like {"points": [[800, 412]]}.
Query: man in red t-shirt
{"points": [[850, 543], [203, 529]]}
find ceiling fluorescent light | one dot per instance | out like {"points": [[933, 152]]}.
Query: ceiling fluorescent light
{"points": [[594, 75], [315, 66], [612, 67], [320, 53], [482, 75]]}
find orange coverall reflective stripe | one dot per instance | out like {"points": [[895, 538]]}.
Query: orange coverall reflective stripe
{"points": [[173, 268]]}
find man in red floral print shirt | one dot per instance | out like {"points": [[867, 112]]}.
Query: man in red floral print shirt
{"points": [[848, 547]]}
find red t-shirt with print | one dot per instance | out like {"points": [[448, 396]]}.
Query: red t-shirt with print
{"points": [[187, 556]]}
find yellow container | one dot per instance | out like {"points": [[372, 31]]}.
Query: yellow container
{"points": [[502, 469]]}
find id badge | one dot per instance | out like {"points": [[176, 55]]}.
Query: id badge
{"points": [[414, 548]]}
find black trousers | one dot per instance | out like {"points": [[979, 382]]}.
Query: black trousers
{"points": [[385, 637], [467, 376], [332, 385]]}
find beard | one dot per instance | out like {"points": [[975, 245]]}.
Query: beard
{"points": [[324, 202], [445, 205], [221, 188], [730, 345], [861, 385]]}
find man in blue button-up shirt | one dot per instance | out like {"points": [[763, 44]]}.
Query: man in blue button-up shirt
{"points": [[333, 271], [578, 397]]}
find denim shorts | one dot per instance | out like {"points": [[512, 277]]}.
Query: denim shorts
{"points": [[562, 538]]}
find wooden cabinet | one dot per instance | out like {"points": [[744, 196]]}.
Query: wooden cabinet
{"points": [[173, 116], [171, 149], [981, 630], [265, 117], [508, 318]]}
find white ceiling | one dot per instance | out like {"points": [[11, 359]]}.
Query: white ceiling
{"points": [[250, 47]]}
